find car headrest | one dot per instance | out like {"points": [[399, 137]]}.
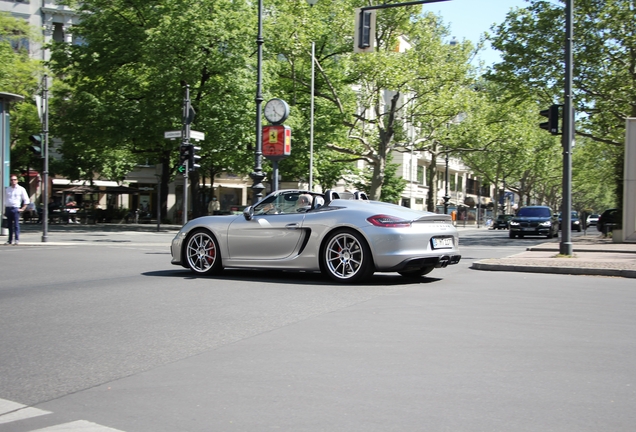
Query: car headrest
{"points": [[331, 195]]}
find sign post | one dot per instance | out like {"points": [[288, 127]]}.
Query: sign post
{"points": [[276, 146]]}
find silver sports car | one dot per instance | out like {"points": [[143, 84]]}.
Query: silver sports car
{"points": [[343, 235]]}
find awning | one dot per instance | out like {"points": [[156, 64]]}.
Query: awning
{"points": [[115, 190], [69, 183], [80, 190], [119, 190]]}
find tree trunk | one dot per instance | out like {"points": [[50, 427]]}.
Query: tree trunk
{"points": [[431, 178]]}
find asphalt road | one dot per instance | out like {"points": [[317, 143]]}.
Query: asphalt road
{"points": [[110, 336]]}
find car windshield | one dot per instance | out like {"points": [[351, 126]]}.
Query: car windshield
{"points": [[534, 212]]}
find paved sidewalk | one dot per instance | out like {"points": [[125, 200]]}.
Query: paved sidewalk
{"points": [[592, 255], [95, 234]]}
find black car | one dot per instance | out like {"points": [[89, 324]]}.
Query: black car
{"points": [[502, 222], [609, 220], [575, 221], [536, 221]]}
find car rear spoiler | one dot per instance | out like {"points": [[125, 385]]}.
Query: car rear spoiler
{"points": [[435, 217]]}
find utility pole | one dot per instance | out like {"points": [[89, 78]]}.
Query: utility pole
{"points": [[568, 135], [45, 154], [185, 137]]}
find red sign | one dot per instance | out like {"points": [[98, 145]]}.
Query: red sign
{"points": [[276, 141]]}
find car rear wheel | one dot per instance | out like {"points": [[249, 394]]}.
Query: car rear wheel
{"points": [[202, 253], [346, 257], [417, 273]]}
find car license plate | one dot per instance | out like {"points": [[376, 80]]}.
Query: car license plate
{"points": [[442, 242]]}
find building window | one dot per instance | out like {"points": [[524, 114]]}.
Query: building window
{"points": [[58, 32], [420, 175]]}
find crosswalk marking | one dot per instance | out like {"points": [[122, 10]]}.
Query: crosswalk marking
{"points": [[78, 426], [12, 411]]}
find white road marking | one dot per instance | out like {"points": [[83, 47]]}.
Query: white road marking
{"points": [[13, 411], [78, 426]]}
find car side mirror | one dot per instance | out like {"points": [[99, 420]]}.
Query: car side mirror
{"points": [[248, 213]]}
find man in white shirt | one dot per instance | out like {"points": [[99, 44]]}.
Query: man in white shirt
{"points": [[16, 200]]}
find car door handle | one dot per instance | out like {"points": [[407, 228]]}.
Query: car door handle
{"points": [[292, 226]]}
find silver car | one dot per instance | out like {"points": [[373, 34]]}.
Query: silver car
{"points": [[343, 235]]}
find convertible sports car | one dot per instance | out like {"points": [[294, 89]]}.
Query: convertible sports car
{"points": [[343, 235]]}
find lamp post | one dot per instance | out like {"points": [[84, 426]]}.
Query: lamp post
{"points": [[45, 154], [446, 195], [257, 175], [311, 109]]}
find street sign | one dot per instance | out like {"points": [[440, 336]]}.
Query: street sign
{"points": [[195, 135], [198, 136], [276, 142]]}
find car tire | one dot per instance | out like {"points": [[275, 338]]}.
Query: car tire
{"points": [[417, 273], [201, 253], [346, 257], [512, 235]]}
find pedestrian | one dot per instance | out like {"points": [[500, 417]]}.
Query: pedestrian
{"points": [[16, 200], [214, 206]]}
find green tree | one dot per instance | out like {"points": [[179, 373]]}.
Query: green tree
{"points": [[368, 99], [531, 41], [499, 140], [123, 86], [19, 75]]}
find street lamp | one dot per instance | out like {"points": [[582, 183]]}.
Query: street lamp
{"points": [[446, 195], [311, 109], [258, 176]]}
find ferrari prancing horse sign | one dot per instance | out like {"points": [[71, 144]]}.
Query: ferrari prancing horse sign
{"points": [[276, 142]]}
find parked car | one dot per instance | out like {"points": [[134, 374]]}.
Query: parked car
{"points": [[591, 220], [502, 222], [534, 220], [343, 235], [609, 220], [575, 222]]}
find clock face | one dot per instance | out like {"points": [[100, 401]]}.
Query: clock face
{"points": [[276, 111]]}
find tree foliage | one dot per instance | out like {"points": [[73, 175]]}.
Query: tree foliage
{"points": [[367, 100], [604, 49], [123, 86], [19, 74]]}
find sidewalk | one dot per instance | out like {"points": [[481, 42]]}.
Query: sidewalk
{"points": [[592, 255], [96, 234]]}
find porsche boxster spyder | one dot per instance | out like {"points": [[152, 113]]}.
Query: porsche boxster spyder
{"points": [[345, 236]]}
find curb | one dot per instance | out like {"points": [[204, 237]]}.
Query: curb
{"points": [[554, 270]]}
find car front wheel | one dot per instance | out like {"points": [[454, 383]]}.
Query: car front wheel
{"points": [[346, 257], [202, 253]]}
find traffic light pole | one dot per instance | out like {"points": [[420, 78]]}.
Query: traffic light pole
{"points": [[186, 142], [568, 135], [45, 154]]}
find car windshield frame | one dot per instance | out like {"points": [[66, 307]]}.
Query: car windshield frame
{"points": [[534, 212]]}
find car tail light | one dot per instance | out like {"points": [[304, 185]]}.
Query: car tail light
{"points": [[388, 221]]}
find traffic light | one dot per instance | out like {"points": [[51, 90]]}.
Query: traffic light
{"points": [[193, 158], [552, 125], [184, 156], [36, 148], [365, 31]]}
